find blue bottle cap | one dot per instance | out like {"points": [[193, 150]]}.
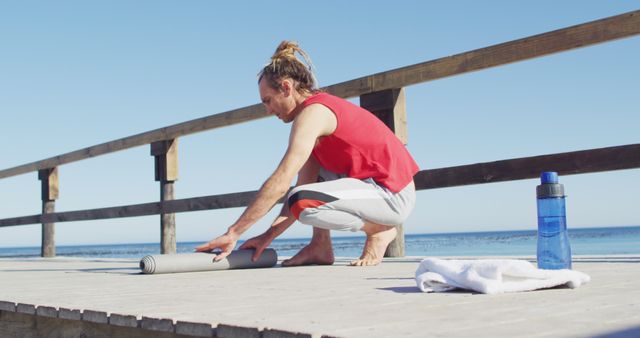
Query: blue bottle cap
{"points": [[549, 177]]}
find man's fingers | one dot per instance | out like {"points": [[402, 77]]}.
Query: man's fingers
{"points": [[257, 254], [246, 245], [203, 247], [214, 244], [206, 247], [221, 256]]}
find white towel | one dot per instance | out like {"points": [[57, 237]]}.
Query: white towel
{"points": [[491, 276]]}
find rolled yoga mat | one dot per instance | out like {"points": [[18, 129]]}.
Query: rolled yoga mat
{"points": [[202, 261]]}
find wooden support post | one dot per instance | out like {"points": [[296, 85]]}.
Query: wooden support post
{"points": [[166, 172], [389, 106], [49, 180]]}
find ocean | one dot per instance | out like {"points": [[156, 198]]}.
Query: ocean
{"points": [[584, 241]]}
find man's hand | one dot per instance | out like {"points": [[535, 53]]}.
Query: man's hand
{"points": [[258, 243], [226, 243]]}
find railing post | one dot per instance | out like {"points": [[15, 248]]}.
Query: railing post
{"points": [[166, 172], [389, 106], [49, 192]]}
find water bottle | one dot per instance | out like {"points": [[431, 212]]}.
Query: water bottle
{"points": [[554, 251]]}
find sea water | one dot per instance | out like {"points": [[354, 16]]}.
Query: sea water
{"points": [[584, 241]]}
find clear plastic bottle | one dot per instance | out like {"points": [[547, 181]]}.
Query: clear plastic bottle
{"points": [[554, 251]]}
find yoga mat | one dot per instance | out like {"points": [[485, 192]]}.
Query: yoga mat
{"points": [[202, 261]]}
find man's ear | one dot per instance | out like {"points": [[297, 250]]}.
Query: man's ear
{"points": [[286, 87]]}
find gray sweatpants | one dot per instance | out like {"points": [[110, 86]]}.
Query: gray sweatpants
{"points": [[340, 203]]}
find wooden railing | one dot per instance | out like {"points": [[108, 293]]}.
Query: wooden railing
{"points": [[383, 95]]}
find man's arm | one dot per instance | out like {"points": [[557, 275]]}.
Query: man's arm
{"points": [[308, 174], [313, 122], [310, 124]]}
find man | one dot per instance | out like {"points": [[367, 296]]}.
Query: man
{"points": [[365, 172]]}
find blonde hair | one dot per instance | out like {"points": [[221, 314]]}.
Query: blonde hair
{"points": [[285, 64]]}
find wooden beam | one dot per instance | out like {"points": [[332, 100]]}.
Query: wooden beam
{"points": [[389, 106], [165, 154], [49, 184], [587, 34], [22, 220], [174, 131], [569, 163], [168, 243], [224, 201], [49, 194], [591, 33]]}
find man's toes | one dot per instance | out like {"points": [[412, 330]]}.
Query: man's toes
{"points": [[363, 262], [291, 262]]}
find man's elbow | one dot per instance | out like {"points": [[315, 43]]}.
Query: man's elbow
{"points": [[283, 188], [278, 187]]}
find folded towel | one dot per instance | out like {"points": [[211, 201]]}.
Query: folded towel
{"points": [[491, 276]]}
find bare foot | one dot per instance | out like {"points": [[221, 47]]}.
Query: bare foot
{"points": [[311, 254], [375, 246]]}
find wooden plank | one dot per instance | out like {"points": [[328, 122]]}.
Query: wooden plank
{"points": [[232, 200], [328, 301], [608, 29], [587, 34], [578, 162], [49, 193], [389, 106], [56, 324], [232, 117], [161, 147], [167, 220], [165, 154], [49, 184], [569, 163], [22, 220], [166, 171], [48, 247]]}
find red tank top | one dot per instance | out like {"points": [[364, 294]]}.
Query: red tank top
{"points": [[362, 146]]}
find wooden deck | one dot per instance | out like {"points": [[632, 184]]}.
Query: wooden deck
{"points": [[338, 301]]}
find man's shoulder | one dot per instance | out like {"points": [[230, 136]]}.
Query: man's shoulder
{"points": [[317, 116]]}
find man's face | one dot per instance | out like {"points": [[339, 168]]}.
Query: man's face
{"points": [[277, 102]]}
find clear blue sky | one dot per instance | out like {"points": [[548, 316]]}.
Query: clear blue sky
{"points": [[78, 73]]}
